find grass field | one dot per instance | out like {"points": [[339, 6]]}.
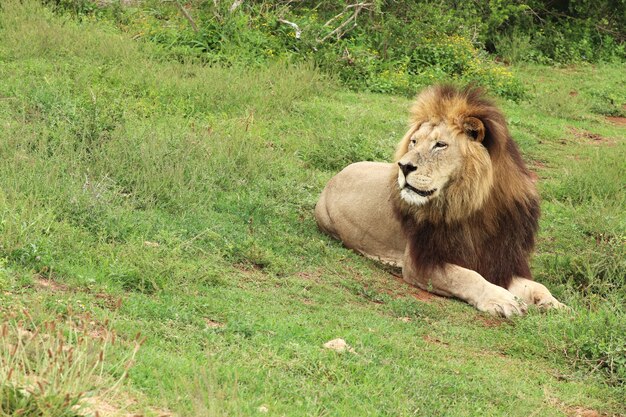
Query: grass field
{"points": [[175, 200]]}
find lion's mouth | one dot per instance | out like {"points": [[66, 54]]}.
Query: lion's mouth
{"points": [[420, 192]]}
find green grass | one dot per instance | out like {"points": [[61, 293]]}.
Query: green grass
{"points": [[177, 200]]}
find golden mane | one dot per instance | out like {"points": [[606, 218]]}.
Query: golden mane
{"points": [[487, 217]]}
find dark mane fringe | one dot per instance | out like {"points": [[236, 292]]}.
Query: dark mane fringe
{"points": [[497, 248], [497, 240]]}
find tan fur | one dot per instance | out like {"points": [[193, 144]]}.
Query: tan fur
{"points": [[465, 178]]}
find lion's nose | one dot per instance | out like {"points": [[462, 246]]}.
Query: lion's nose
{"points": [[407, 168]]}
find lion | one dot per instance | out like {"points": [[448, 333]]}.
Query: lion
{"points": [[458, 211]]}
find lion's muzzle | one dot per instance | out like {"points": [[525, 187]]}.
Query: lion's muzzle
{"points": [[427, 193], [419, 191]]}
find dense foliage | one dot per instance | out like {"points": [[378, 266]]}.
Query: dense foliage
{"points": [[380, 46]]}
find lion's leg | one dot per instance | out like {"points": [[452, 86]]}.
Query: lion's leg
{"points": [[468, 285], [534, 293]]}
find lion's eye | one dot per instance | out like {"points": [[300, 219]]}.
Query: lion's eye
{"points": [[412, 142], [440, 145]]}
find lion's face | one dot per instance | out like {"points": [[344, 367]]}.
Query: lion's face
{"points": [[433, 156], [439, 157]]}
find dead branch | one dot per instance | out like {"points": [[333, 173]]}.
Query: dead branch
{"points": [[293, 25], [332, 19], [235, 5], [343, 28]]}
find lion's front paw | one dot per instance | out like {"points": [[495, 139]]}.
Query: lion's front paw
{"points": [[500, 302], [545, 301], [535, 293]]}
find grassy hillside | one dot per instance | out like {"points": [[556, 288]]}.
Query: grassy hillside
{"points": [[176, 200]]}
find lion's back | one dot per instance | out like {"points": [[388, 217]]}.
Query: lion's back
{"points": [[356, 208]]}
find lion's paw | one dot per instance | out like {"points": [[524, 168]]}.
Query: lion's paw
{"points": [[543, 299], [500, 302], [548, 302], [535, 293]]}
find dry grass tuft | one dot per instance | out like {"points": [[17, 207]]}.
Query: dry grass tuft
{"points": [[52, 369]]}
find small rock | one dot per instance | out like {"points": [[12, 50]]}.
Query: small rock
{"points": [[338, 345], [263, 409]]}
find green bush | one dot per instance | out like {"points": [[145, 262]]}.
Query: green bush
{"points": [[392, 49], [387, 47], [386, 36]]}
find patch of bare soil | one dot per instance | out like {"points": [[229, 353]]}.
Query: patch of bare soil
{"points": [[248, 267], [212, 324], [616, 120], [99, 406], [50, 285], [417, 293], [434, 340], [575, 411], [590, 137]]}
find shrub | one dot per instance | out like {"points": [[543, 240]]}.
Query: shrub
{"points": [[382, 48]]}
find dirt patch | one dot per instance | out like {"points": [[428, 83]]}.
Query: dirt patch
{"points": [[582, 412], [575, 411], [616, 120], [212, 324], [590, 137], [434, 340], [417, 293], [424, 296], [49, 284], [100, 406], [249, 267]]}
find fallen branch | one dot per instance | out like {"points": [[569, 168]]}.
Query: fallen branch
{"points": [[293, 25]]}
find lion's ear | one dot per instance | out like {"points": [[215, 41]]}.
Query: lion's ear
{"points": [[474, 128]]}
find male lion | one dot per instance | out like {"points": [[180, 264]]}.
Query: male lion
{"points": [[458, 211]]}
